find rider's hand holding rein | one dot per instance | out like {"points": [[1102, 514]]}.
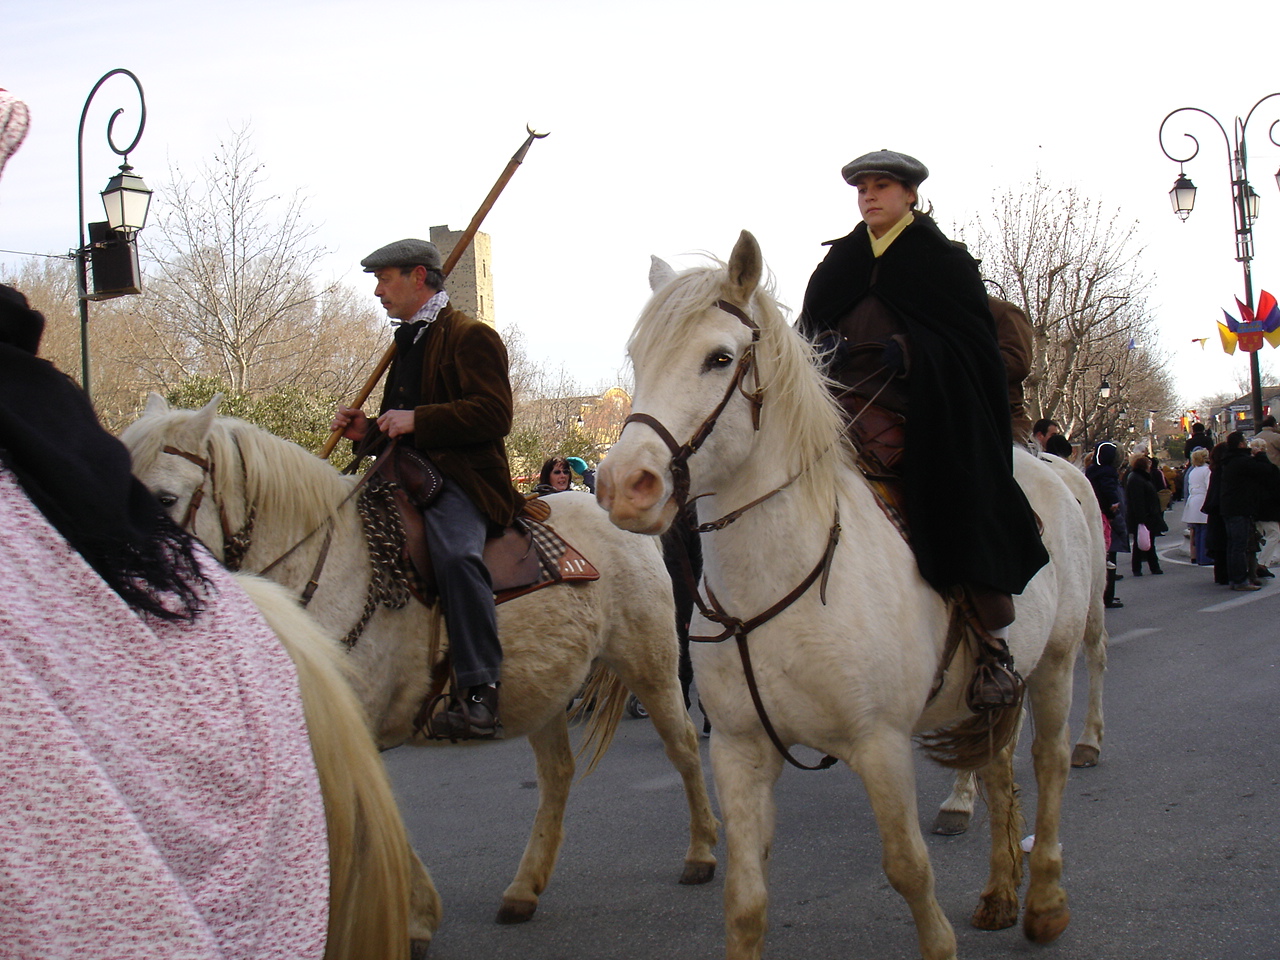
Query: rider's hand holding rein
{"points": [[351, 421]]}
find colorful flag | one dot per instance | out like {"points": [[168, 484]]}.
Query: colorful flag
{"points": [[1227, 334], [1257, 326]]}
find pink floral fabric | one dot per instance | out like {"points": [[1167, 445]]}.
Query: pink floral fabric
{"points": [[158, 798]]}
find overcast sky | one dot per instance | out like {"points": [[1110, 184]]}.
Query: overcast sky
{"points": [[673, 126]]}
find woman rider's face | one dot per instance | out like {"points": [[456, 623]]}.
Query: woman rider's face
{"points": [[883, 201], [560, 477]]}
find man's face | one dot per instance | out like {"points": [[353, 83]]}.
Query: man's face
{"points": [[402, 294], [1050, 431]]}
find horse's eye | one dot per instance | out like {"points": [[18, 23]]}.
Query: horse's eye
{"points": [[718, 360], [167, 500]]}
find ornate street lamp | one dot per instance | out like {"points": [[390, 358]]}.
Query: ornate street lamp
{"points": [[1183, 196], [111, 248], [126, 200], [1245, 203], [1105, 390]]}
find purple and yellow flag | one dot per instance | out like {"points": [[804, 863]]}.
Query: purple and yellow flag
{"points": [[1257, 326]]}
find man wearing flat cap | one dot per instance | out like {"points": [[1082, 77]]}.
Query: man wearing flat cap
{"points": [[903, 316], [448, 393]]}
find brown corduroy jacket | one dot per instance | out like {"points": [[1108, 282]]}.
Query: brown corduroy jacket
{"points": [[465, 411]]}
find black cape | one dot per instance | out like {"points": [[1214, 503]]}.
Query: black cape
{"points": [[969, 520]]}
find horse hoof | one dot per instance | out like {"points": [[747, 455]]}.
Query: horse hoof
{"points": [[1084, 756], [698, 872], [516, 911], [1046, 927], [951, 823], [418, 949], [995, 913]]}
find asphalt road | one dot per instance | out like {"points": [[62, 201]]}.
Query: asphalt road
{"points": [[1172, 844]]}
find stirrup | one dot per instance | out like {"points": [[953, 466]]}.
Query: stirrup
{"points": [[471, 716], [995, 686]]}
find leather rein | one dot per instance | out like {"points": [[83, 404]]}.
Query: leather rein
{"points": [[235, 544], [711, 608]]}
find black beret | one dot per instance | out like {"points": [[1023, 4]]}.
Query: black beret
{"points": [[888, 163], [403, 253]]}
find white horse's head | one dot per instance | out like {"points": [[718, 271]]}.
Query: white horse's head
{"points": [[173, 479], [210, 473], [713, 339]]}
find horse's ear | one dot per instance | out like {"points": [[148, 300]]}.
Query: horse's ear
{"points": [[156, 405], [660, 273], [746, 264], [201, 421]]}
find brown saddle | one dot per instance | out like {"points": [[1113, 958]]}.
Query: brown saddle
{"points": [[521, 558]]}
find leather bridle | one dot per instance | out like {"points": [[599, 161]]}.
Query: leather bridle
{"points": [[710, 608], [235, 543], [680, 454]]}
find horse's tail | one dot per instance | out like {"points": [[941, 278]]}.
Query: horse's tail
{"points": [[605, 696], [974, 742], [369, 854]]}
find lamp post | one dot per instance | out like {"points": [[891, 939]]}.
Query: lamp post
{"points": [[111, 244], [1245, 204]]}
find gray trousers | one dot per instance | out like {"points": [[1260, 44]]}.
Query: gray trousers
{"points": [[456, 532]]}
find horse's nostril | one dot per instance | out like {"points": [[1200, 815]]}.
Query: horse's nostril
{"points": [[644, 488]]}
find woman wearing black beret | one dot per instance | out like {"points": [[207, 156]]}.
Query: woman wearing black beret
{"points": [[902, 315]]}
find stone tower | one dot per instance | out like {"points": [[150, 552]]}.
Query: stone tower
{"points": [[470, 285]]}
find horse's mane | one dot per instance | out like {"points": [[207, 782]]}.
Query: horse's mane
{"points": [[293, 485], [800, 423]]}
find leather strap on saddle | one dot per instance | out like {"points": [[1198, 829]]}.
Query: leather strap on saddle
{"points": [[879, 438], [878, 434]]}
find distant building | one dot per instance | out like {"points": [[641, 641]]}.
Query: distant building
{"points": [[470, 283], [1237, 414]]}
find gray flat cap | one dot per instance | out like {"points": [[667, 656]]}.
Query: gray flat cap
{"points": [[887, 163], [403, 253]]}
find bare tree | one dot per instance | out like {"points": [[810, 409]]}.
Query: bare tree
{"points": [[1075, 271], [233, 293]]}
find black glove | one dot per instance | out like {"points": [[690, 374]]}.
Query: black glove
{"points": [[893, 358]]}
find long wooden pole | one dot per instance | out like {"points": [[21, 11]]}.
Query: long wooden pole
{"points": [[454, 256]]}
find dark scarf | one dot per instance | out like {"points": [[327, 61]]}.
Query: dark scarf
{"points": [[78, 475], [970, 521]]}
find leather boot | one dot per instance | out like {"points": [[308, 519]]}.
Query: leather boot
{"points": [[473, 717]]}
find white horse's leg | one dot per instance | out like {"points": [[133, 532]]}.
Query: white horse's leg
{"points": [[998, 905], [1089, 747], [659, 691], [745, 772], [1049, 689], [957, 810], [886, 767], [555, 775]]}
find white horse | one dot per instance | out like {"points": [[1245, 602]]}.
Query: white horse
{"points": [[956, 811], [850, 676], [551, 639]]}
